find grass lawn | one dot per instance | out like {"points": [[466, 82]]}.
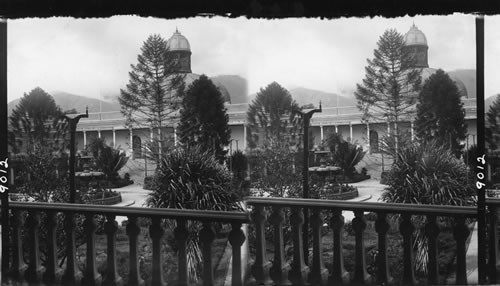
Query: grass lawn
{"points": [[170, 258]]}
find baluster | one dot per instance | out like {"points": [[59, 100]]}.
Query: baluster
{"points": [[91, 276], [181, 235], [361, 276], [72, 276], [433, 254], [18, 266], [110, 228], [279, 270], [236, 238], [156, 233], [319, 274], [493, 245], [339, 275], [298, 272], [35, 270], [406, 228], [207, 236], [260, 269], [53, 272], [381, 227], [133, 231], [461, 233]]}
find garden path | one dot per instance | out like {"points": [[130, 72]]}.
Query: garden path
{"points": [[132, 195], [368, 191]]}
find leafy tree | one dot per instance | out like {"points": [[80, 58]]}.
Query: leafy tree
{"points": [[440, 112], [428, 173], [107, 159], [36, 121], [192, 178], [203, 118], [389, 89], [151, 97], [272, 117], [278, 175], [492, 130]]}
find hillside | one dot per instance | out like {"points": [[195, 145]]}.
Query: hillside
{"points": [[488, 102], [235, 85], [68, 101], [305, 96], [468, 77]]}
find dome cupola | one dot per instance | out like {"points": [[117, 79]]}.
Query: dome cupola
{"points": [[415, 43], [179, 48]]}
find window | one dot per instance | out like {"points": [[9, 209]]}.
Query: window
{"points": [[137, 147]]}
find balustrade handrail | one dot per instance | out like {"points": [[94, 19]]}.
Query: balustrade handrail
{"points": [[200, 215], [414, 209], [493, 201]]}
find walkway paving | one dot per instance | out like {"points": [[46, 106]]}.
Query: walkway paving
{"points": [[132, 195]]}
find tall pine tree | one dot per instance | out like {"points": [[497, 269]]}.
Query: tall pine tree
{"points": [[273, 118], [151, 97], [203, 118], [440, 112], [492, 130], [390, 88]]}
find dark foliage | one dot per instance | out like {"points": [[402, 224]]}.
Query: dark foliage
{"points": [[440, 113], [203, 118], [273, 118], [107, 159], [37, 121], [344, 154], [492, 130]]}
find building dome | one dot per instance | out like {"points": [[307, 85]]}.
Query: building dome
{"points": [[178, 42], [415, 37]]}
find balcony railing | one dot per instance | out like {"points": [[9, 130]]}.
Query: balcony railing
{"points": [[34, 273], [265, 212], [493, 271]]}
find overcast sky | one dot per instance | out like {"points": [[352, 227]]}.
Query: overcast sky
{"points": [[92, 57]]}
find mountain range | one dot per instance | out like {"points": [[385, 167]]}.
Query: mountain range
{"points": [[235, 85]]}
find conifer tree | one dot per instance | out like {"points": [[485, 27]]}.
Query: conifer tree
{"points": [[440, 113], [390, 88], [203, 118], [37, 121], [273, 118], [151, 97], [492, 130]]}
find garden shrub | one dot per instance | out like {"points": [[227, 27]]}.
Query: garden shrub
{"points": [[192, 179], [428, 173], [345, 155]]}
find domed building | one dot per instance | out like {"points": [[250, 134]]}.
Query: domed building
{"points": [[180, 49], [416, 45]]}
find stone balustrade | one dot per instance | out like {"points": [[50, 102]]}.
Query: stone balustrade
{"points": [[265, 212], [26, 221], [493, 265], [297, 273]]}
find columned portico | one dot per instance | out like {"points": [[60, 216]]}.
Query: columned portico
{"points": [[321, 132], [84, 137], [130, 140], [368, 135], [114, 138], [99, 133], [350, 131]]}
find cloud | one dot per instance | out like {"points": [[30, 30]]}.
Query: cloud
{"points": [[92, 57]]}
